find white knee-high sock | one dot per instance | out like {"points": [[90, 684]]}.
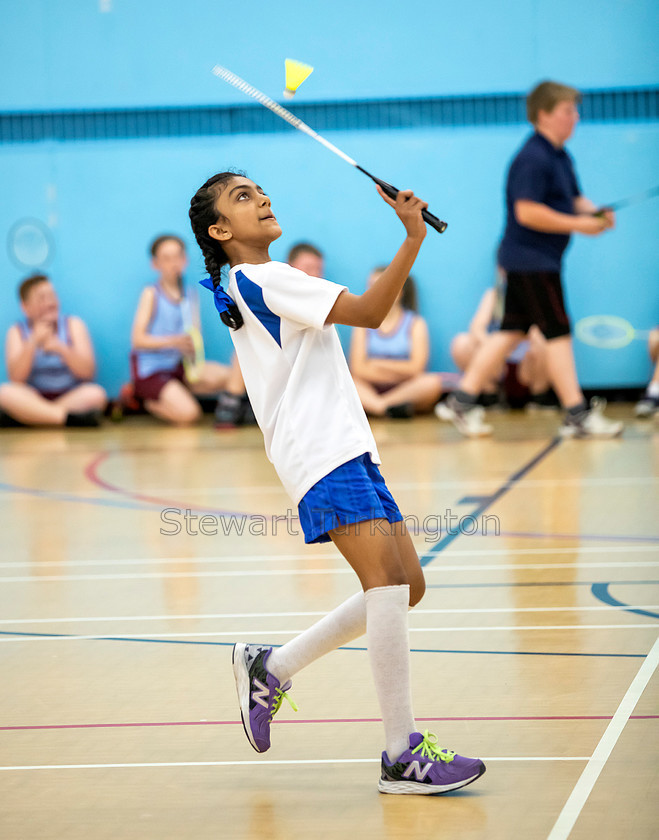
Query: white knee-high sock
{"points": [[342, 625], [389, 653]]}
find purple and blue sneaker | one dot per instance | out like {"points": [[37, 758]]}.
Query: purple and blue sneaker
{"points": [[259, 692], [424, 769]]}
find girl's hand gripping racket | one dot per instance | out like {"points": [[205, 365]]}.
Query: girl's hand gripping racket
{"points": [[428, 217]]}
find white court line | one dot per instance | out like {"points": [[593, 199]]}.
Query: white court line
{"points": [[507, 567], [264, 763], [264, 633], [528, 482], [150, 561], [476, 485], [316, 613], [333, 555], [582, 790]]}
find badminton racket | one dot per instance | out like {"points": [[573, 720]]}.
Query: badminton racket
{"points": [[291, 119], [637, 198], [608, 332], [30, 244], [193, 365]]}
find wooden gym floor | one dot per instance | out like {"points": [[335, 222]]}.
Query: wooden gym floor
{"points": [[534, 648]]}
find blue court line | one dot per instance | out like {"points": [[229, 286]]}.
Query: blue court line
{"points": [[363, 649], [601, 592], [487, 501], [601, 537], [128, 505], [70, 497], [136, 505], [537, 583]]}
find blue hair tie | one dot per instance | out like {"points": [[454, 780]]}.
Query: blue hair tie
{"points": [[222, 300]]}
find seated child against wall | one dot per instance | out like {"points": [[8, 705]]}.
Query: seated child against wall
{"points": [[160, 343], [648, 406], [50, 362], [523, 376], [388, 365]]}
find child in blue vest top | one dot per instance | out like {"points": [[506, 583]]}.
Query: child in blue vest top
{"points": [[50, 362], [161, 341], [388, 364]]}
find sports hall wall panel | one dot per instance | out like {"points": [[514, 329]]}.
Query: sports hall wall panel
{"points": [[103, 199]]}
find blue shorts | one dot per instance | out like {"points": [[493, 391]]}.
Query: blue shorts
{"points": [[353, 492]]}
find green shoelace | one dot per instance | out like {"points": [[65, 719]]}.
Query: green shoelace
{"points": [[430, 750], [279, 696]]}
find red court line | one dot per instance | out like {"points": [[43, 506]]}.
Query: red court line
{"points": [[319, 720], [91, 473]]}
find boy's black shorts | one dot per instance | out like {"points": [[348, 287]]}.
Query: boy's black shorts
{"points": [[535, 297]]}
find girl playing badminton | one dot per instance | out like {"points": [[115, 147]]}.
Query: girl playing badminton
{"points": [[317, 436]]}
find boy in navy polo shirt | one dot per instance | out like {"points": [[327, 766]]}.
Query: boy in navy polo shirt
{"points": [[544, 205]]}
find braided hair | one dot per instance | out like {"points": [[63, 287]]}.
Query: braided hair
{"points": [[202, 215]]}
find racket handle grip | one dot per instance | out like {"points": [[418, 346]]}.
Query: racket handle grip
{"points": [[428, 217], [434, 221]]}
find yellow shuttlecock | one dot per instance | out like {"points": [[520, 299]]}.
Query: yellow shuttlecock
{"points": [[296, 73]]}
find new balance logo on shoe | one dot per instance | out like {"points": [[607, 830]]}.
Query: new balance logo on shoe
{"points": [[259, 692], [420, 770], [261, 696]]}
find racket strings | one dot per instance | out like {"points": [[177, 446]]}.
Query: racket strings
{"points": [[241, 84], [609, 332], [245, 87]]}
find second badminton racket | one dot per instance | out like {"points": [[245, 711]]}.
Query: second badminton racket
{"points": [[637, 198]]}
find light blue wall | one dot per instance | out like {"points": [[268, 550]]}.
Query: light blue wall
{"points": [[69, 54], [106, 200]]}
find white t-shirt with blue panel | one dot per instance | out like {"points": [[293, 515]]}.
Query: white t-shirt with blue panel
{"points": [[296, 373]]}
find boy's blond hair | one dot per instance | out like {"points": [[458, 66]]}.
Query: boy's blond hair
{"points": [[546, 96]]}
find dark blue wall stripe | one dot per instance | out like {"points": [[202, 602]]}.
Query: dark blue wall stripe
{"points": [[617, 105]]}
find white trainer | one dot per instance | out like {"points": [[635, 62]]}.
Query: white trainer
{"points": [[468, 420], [647, 407], [591, 423]]}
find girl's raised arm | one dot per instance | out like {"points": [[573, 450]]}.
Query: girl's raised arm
{"points": [[370, 308]]}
